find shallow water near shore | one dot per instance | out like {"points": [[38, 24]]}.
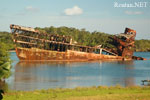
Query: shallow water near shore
{"points": [[45, 75]]}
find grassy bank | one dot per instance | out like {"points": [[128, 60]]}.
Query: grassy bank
{"points": [[92, 93]]}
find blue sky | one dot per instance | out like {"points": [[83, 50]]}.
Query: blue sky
{"points": [[93, 15]]}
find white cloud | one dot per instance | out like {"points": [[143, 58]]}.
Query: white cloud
{"points": [[32, 9], [133, 12], [73, 11]]}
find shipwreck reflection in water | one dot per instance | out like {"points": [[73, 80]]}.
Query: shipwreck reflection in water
{"points": [[39, 75], [44, 75]]}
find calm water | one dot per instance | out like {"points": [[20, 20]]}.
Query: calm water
{"points": [[44, 75]]}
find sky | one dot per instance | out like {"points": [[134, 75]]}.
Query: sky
{"points": [[109, 16]]}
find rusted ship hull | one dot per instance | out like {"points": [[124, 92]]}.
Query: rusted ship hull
{"points": [[33, 45], [34, 54]]}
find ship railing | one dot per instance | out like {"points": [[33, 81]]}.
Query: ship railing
{"points": [[68, 46], [28, 43], [27, 31]]}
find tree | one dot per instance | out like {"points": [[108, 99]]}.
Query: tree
{"points": [[4, 61]]}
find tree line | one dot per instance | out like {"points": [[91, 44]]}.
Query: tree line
{"points": [[6, 38], [80, 36]]}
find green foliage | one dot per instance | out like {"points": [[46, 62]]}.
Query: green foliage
{"points": [[4, 61], [82, 36], [6, 38], [4, 56], [5, 70], [142, 45]]}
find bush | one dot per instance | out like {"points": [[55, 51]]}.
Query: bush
{"points": [[4, 61]]}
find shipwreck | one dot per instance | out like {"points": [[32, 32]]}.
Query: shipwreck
{"points": [[33, 45]]}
